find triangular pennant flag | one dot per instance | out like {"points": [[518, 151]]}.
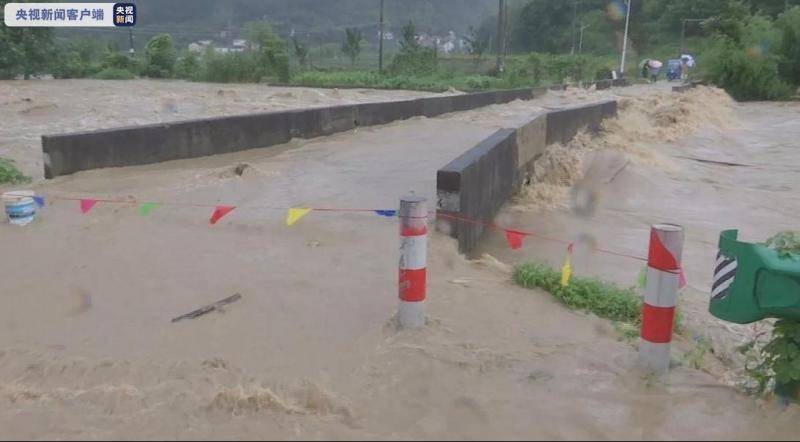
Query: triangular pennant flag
{"points": [[681, 278], [295, 214], [86, 205], [219, 212], [387, 213], [566, 271], [146, 208], [515, 239], [39, 200]]}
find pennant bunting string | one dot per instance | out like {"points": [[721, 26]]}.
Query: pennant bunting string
{"points": [[514, 238]]}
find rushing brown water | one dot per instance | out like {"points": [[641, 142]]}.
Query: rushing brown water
{"points": [[29, 109], [87, 349]]}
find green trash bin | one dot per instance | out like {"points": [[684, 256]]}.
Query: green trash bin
{"points": [[752, 282]]}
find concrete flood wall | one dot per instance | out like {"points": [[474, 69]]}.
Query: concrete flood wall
{"points": [[473, 187], [138, 145], [686, 86]]}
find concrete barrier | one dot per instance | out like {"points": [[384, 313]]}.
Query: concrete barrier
{"points": [[371, 114], [477, 184], [138, 145], [66, 154], [472, 188], [563, 125], [686, 86], [319, 122]]}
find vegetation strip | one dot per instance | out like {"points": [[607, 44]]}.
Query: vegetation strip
{"points": [[604, 299], [9, 174], [621, 305]]}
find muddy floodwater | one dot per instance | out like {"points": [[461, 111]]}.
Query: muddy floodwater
{"points": [[88, 349], [30, 109]]}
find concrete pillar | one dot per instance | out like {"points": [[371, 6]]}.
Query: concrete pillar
{"points": [[413, 261], [661, 296]]}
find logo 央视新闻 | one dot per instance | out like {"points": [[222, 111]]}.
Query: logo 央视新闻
{"points": [[124, 14]]}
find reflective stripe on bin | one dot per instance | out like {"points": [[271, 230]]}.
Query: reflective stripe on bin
{"points": [[724, 274]]}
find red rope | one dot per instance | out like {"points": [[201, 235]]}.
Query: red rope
{"points": [[535, 235], [354, 210]]}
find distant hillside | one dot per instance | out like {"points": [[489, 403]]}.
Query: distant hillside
{"points": [[315, 21], [313, 17]]}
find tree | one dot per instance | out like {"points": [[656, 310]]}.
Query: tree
{"points": [[160, 57], [409, 42], [271, 57], [352, 44], [188, 67], [414, 59], [745, 66], [25, 51], [726, 15], [477, 44], [543, 26], [789, 48]]}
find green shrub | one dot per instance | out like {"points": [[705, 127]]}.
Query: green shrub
{"points": [[748, 63], [413, 59], [77, 59], [120, 60], [745, 73], [229, 68], [160, 57], [271, 59], [114, 74], [777, 363], [420, 61], [9, 174], [188, 67]]}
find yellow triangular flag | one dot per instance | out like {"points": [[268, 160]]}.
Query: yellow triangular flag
{"points": [[295, 214], [566, 271]]}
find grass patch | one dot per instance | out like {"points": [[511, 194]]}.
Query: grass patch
{"points": [[604, 299], [434, 82], [9, 174]]}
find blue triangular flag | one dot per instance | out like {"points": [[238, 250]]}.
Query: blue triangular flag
{"points": [[39, 200], [386, 213]]}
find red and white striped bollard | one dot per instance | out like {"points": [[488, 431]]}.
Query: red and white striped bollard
{"points": [[661, 296], [413, 261]]}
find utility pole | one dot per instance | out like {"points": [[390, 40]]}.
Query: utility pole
{"points": [[501, 35], [380, 44], [574, 19], [580, 45], [625, 43]]}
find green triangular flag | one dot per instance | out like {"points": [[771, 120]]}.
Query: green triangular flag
{"points": [[146, 208]]}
